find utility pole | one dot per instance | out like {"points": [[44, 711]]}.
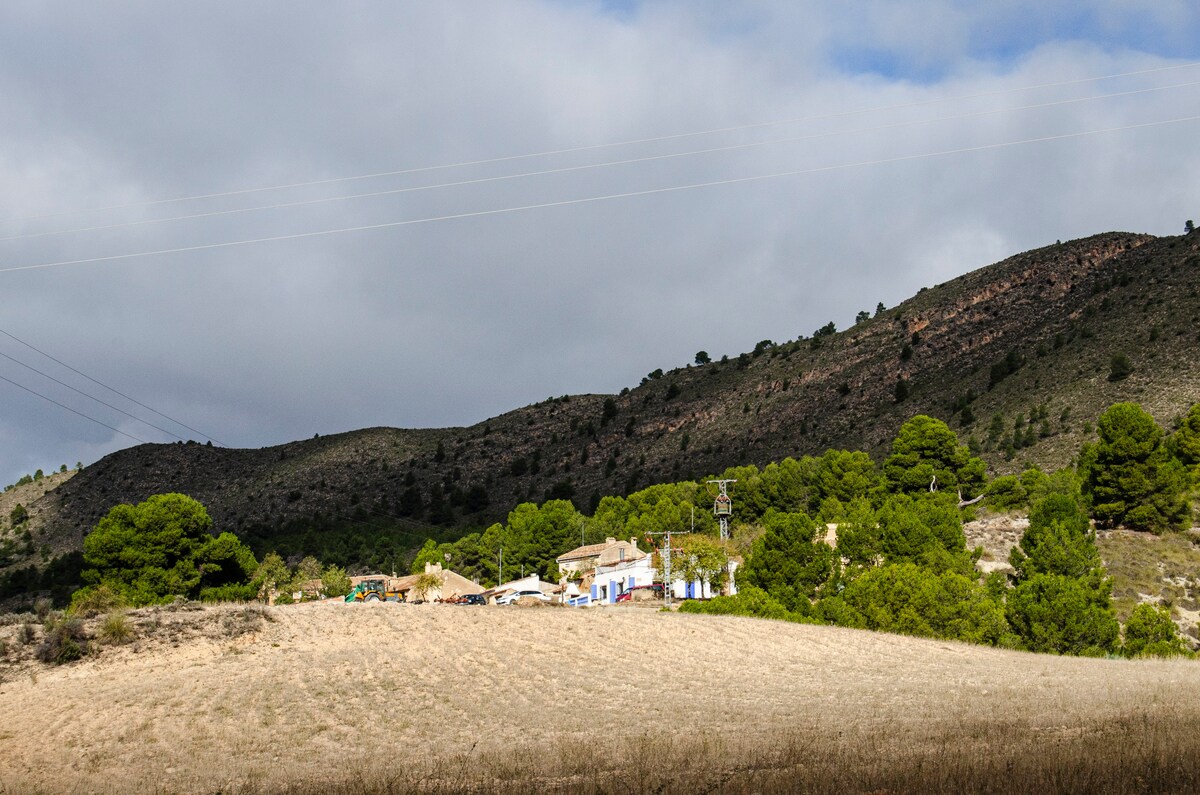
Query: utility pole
{"points": [[666, 559], [722, 504], [501, 580]]}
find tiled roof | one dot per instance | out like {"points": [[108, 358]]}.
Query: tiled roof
{"points": [[588, 551]]}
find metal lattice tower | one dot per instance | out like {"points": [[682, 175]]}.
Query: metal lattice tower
{"points": [[722, 504]]}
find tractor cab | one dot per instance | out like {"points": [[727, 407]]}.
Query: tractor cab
{"points": [[367, 590]]}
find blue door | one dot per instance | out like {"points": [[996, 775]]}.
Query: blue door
{"points": [[612, 591], [595, 591]]}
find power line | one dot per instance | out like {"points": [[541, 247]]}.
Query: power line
{"points": [[593, 147], [590, 166], [111, 389], [591, 199], [73, 411], [90, 397]]}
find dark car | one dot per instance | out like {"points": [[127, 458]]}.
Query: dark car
{"points": [[472, 599]]}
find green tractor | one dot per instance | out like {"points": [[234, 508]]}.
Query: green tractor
{"points": [[374, 590]]}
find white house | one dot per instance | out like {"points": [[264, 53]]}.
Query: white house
{"points": [[611, 581], [589, 556]]}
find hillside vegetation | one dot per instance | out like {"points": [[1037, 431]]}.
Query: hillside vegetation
{"points": [[1018, 357]]}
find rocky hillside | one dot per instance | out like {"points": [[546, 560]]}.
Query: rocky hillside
{"points": [[1017, 356]]}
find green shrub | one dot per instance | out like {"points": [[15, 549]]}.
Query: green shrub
{"points": [[94, 600], [229, 593], [750, 601], [1064, 615], [116, 629], [1006, 493], [1150, 632], [914, 600], [335, 581]]}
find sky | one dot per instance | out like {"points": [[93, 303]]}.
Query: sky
{"points": [[565, 195]]}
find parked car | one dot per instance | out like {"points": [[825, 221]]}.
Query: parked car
{"points": [[639, 592], [472, 599], [508, 599]]}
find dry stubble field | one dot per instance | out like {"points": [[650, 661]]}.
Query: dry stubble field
{"points": [[395, 698]]}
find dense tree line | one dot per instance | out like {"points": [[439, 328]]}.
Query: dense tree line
{"points": [[899, 562]]}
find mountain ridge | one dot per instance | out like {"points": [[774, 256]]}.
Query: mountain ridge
{"points": [[1027, 340]]}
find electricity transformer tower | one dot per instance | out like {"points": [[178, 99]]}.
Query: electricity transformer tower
{"points": [[723, 504], [669, 580]]}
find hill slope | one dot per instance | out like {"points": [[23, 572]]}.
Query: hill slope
{"points": [[1031, 336], [339, 698]]}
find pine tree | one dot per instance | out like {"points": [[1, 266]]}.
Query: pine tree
{"points": [[1129, 476], [788, 561]]}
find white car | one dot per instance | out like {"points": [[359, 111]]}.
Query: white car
{"points": [[508, 599]]}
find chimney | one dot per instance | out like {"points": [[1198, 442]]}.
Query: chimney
{"points": [[633, 543], [610, 541], [433, 568]]}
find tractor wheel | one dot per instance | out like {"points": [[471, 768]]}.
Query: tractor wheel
{"points": [[373, 598]]}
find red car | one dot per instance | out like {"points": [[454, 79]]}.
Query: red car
{"points": [[655, 589]]}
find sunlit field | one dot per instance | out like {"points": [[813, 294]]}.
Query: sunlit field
{"points": [[374, 698]]}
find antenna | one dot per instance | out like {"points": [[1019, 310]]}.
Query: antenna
{"points": [[723, 504]]}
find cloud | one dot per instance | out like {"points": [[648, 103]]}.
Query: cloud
{"points": [[450, 322]]}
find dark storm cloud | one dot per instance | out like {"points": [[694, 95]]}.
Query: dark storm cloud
{"points": [[450, 322]]}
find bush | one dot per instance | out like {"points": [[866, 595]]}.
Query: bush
{"points": [[94, 600], [248, 619], [229, 593], [788, 561], [912, 600], [335, 581], [26, 634], [1059, 540], [1063, 615], [1006, 493], [1150, 632], [42, 608], [116, 629], [750, 601], [65, 642], [1119, 367]]}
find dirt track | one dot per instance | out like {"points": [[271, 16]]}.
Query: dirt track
{"points": [[329, 689]]}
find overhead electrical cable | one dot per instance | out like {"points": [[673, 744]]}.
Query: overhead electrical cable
{"points": [[591, 166], [90, 397], [591, 199], [73, 411], [111, 389], [593, 147]]}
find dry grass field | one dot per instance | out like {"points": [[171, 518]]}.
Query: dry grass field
{"points": [[398, 698]]}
